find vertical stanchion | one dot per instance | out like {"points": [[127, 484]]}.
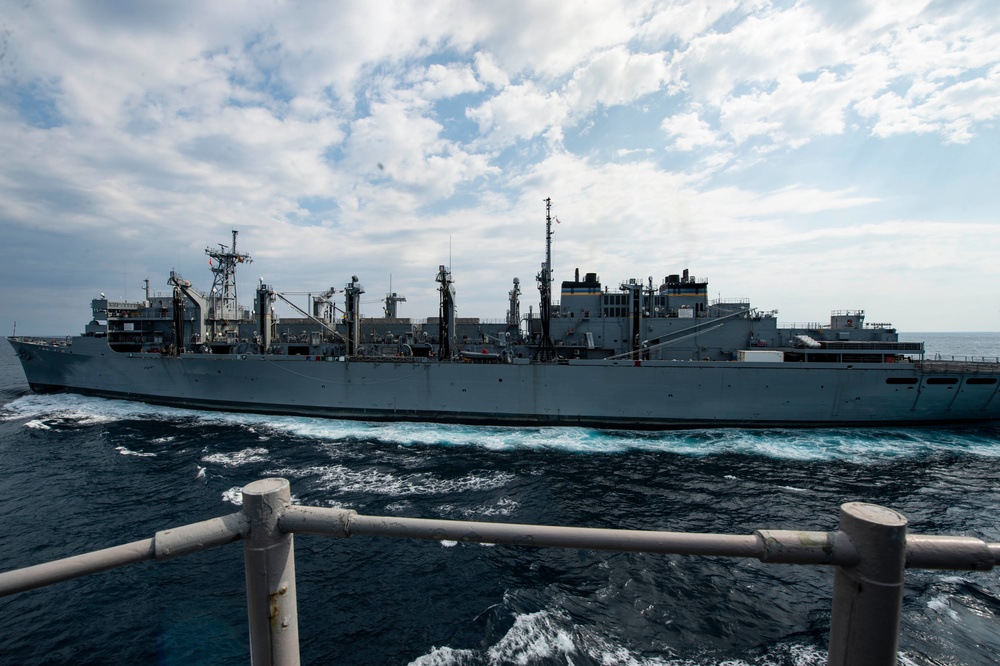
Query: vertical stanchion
{"points": [[269, 555], [868, 598]]}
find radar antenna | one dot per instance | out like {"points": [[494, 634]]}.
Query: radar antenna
{"points": [[224, 305]]}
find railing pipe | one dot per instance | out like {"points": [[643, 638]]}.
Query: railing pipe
{"points": [[200, 536], [950, 552], [803, 547], [269, 556], [868, 597], [773, 546], [165, 545], [871, 551], [345, 523], [68, 568], [560, 537]]}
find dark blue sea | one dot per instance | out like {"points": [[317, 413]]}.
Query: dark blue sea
{"points": [[80, 474]]}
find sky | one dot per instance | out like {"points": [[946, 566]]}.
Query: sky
{"points": [[809, 156]]}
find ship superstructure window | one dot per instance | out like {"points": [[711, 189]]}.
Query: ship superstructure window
{"points": [[942, 380], [901, 380], [615, 305], [981, 380]]}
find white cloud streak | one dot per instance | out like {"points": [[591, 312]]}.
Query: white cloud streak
{"points": [[373, 132]]}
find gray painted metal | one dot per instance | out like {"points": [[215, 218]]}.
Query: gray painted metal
{"points": [[200, 536], [57, 571], [868, 597], [950, 552], [165, 545], [771, 546], [585, 392], [870, 550], [640, 356], [269, 557]]}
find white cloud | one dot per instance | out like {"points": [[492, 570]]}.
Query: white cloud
{"points": [[757, 51], [397, 143], [488, 70], [611, 78], [548, 38], [688, 132], [615, 77], [443, 81], [685, 20], [668, 133], [518, 112], [791, 114], [790, 90]]}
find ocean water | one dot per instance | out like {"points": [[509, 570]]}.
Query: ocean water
{"points": [[80, 474]]}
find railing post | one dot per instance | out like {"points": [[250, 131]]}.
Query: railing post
{"points": [[269, 556], [868, 597]]}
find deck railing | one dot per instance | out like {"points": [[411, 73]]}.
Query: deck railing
{"points": [[870, 551], [963, 359]]}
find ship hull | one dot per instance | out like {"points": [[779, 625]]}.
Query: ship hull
{"points": [[605, 394]]}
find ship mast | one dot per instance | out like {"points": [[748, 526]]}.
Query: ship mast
{"points": [[546, 350], [514, 310], [391, 300], [352, 314], [225, 307], [446, 312]]}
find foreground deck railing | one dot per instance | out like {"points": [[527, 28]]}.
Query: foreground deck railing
{"points": [[870, 551]]}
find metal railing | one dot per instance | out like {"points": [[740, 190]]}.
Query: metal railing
{"points": [[963, 359], [870, 551], [958, 366]]}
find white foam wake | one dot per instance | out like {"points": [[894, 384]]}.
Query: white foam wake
{"points": [[43, 412], [338, 478]]}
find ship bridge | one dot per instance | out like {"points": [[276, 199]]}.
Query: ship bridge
{"points": [[679, 295]]}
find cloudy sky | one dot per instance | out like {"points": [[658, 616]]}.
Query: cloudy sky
{"points": [[810, 156]]}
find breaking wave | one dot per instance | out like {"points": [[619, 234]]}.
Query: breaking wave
{"points": [[238, 458], [550, 637], [61, 411], [339, 478]]}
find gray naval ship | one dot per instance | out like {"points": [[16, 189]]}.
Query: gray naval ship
{"points": [[639, 356]]}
